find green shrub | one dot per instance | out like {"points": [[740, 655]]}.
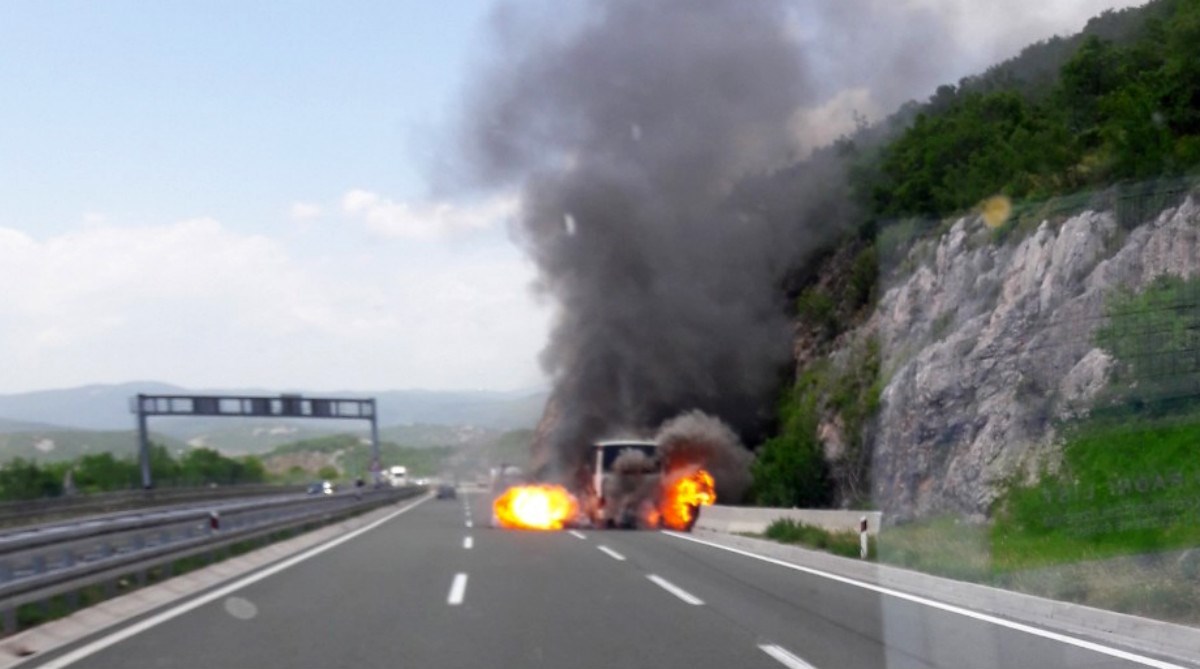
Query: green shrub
{"points": [[846, 544]]}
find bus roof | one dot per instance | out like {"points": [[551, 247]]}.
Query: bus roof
{"points": [[626, 442]]}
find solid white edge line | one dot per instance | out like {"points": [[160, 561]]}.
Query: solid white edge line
{"points": [[950, 608], [611, 553], [577, 534], [468, 542], [675, 590], [458, 589], [784, 656], [158, 619]]}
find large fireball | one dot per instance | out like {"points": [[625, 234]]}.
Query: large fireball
{"points": [[535, 507], [683, 494]]}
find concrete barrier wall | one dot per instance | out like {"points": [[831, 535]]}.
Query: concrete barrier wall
{"points": [[735, 519]]}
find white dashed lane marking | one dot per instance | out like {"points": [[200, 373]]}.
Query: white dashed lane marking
{"points": [[611, 553], [675, 590], [784, 656], [458, 590]]}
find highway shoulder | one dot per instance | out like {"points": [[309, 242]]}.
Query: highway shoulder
{"points": [[1132, 634], [35, 644]]}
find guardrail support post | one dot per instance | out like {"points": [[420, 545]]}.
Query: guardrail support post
{"points": [[10, 620]]}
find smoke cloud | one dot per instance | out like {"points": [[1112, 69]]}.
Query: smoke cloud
{"points": [[634, 482], [654, 145], [697, 440], [631, 137]]}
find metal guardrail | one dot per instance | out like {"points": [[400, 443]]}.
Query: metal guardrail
{"points": [[34, 511], [38, 566]]}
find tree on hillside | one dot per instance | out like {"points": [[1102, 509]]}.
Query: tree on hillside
{"points": [[26, 479], [790, 470], [164, 469], [1084, 81], [102, 472], [206, 466]]}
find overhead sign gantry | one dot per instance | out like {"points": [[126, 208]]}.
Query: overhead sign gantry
{"points": [[250, 406]]}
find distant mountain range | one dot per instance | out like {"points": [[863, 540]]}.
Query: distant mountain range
{"points": [[107, 408]]}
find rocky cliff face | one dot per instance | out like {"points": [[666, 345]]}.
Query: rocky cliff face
{"points": [[985, 345]]}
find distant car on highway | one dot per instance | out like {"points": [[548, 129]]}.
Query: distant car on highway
{"points": [[321, 488], [446, 491]]}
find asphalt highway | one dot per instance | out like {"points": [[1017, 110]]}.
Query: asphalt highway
{"points": [[434, 586]]}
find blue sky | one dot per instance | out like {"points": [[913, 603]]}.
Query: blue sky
{"points": [[163, 110], [234, 194], [173, 197]]}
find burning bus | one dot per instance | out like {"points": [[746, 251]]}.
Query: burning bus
{"points": [[623, 484], [630, 484]]}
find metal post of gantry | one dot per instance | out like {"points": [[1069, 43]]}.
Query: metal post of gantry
{"points": [[251, 406]]}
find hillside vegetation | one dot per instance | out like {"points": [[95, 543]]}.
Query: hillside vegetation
{"points": [[349, 455], [447, 451], [1116, 110], [21, 478], [51, 444], [1117, 104], [1129, 475]]}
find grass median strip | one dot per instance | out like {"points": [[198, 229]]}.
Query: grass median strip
{"points": [[846, 543]]}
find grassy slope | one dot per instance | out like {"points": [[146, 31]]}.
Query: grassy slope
{"points": [[70, 444]]}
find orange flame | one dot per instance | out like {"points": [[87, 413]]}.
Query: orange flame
{"points": [[535, 507], [682, 497]]}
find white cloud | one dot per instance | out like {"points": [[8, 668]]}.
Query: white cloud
{"points": [[94, 218], [197, 303], [304, 211], [425, 220]]}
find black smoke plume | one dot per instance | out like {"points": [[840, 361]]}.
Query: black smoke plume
{"points": [[697, 440], [643, 140], [627, 135], [654, 143]]}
